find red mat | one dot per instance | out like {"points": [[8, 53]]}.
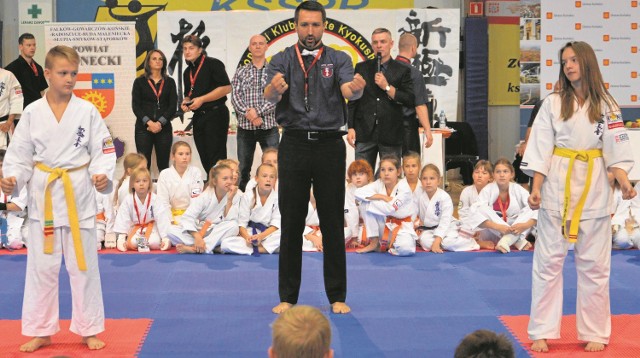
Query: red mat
{"points": [[23, 251], [124, 338], [624, 340]]}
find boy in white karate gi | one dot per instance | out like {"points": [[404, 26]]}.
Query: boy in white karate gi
{"points": [[62, 150]]}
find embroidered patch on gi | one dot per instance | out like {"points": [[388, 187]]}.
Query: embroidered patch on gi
{"points": [[438, 211], [599, 128], [195, 192], [614, 125], [397, 204], [622, 137], [346, 211], [459, 205], [18, 91], [614, 117], [107, 146], [327, 70]]}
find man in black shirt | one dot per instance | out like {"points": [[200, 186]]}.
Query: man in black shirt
{"points": [[27, 71]]}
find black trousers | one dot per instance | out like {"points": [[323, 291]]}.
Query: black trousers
{"points": [[411, 140], [210, 129], [161, 141], [300, 163]]}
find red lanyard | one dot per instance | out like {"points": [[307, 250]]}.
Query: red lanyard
{"points": [[403, 59], [503, 208], [306, 74], [193, 77], [158, 92], [34, 68], [135, 206]]}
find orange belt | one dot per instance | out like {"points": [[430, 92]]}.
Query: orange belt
{"points": [[204, 228], [385, 244], [100, 216], [364, 240], [136, 227]]}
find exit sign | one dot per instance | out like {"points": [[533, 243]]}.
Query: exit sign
{"points": [[476, 8]]}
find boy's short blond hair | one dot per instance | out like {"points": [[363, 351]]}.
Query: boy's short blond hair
{"points": [[301, 331], [61, 51]]}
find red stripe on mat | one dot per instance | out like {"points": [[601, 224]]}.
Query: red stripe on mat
{"points": [[124, 338], [103, 251], [624, 340]]}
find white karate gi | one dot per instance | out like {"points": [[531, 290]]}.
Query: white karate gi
{"points": [[149, 210], [17, 228], [11, 100], [351, 213], [400, 207], [468, 197], [176, 192], [518, 212], [437, 215], [312, 223], [207, 207], [80, 137], [624, 239], [252, 209], [593, 247]]}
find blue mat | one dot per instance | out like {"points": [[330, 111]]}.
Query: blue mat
{"points": [[420, 306]]}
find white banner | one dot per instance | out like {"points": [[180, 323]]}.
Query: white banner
{"points": [[107, 70], [32, 14], [610, 27], [226, 37]]}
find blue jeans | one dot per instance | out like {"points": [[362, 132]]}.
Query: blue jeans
{"points": [[247, 140]]}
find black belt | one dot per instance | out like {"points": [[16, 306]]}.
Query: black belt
{"points": [[2, 119], [313, 135], [207, 109], [426, 227]]}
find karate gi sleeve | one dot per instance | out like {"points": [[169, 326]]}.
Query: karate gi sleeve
{"points": [[244, 214], [16, 99], [163, 220], [537, 157], [162, 190], [446, 217], [616, 147], [101, 149], [190, 218], [123, 222], [18, 161], [275, 215]]}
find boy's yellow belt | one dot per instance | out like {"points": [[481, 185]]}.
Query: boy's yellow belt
{"points": [[74, 221], [584, 156]]}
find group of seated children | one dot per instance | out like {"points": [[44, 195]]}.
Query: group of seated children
{"points": [[403, 208]]}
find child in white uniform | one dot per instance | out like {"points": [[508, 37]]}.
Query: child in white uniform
{"points": [[359, 174], [411, 170], [13, 229], [211, 217], [142, 222], [179, 183], [312, 235], [577, 137], [390, 211], [503, 209], [61, 139], [104, 220], [434, 225], [624, 223], [269, 156], [130, 162], [482, 175], [11, 103], [259, 217]]}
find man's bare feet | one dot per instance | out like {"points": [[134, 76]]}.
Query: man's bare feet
{"points": [[373, 245], [93, 342], [281, 307], [540, 345], [35, 343], [340, 308], [594, 347], [184, 249]]}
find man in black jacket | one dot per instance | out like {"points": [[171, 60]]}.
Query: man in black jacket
{"points": [[376, 119]]}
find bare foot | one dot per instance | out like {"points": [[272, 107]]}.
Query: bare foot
{"points": [[281, 307], [540, 345], [373, 245], [486, 245], [340, 308], [184, 249], [502, 249], [594, 347], [93, 342], [35, 343], [527, 247]]}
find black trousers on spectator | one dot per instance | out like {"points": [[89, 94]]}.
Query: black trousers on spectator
{"points": [[161, 141], [302, 162], [411, 140], [210, 129]]}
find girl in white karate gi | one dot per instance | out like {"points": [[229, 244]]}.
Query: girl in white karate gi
{"points": [[411, 170], [61, 139], [625, 220], [312, 235], [142, 222], [235, 167], [482, 175], [359, 174], [211, 217], [105, 219], [179, 183], [390, 211], [130, 162], [13, 228], [269, 156], [258, 219], [503, 209], [577, 137], [434, 225]]}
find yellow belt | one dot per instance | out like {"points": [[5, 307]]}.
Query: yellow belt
{"points": [[175, 213], [74, 222], [584, 156]]}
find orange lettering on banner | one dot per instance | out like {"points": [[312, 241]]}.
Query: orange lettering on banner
{"points": [[606, 85], [605, 38], [634, 98], [549, 38], [634, 74], [578, 26], [634, 26], [634, 4], [605, 62], [549, 62], [549, 15], [578, 3], [549, 86], [605, 14], [634, 49]]}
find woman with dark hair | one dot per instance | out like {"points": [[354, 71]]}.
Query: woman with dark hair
{"points": [[154, 100]]}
